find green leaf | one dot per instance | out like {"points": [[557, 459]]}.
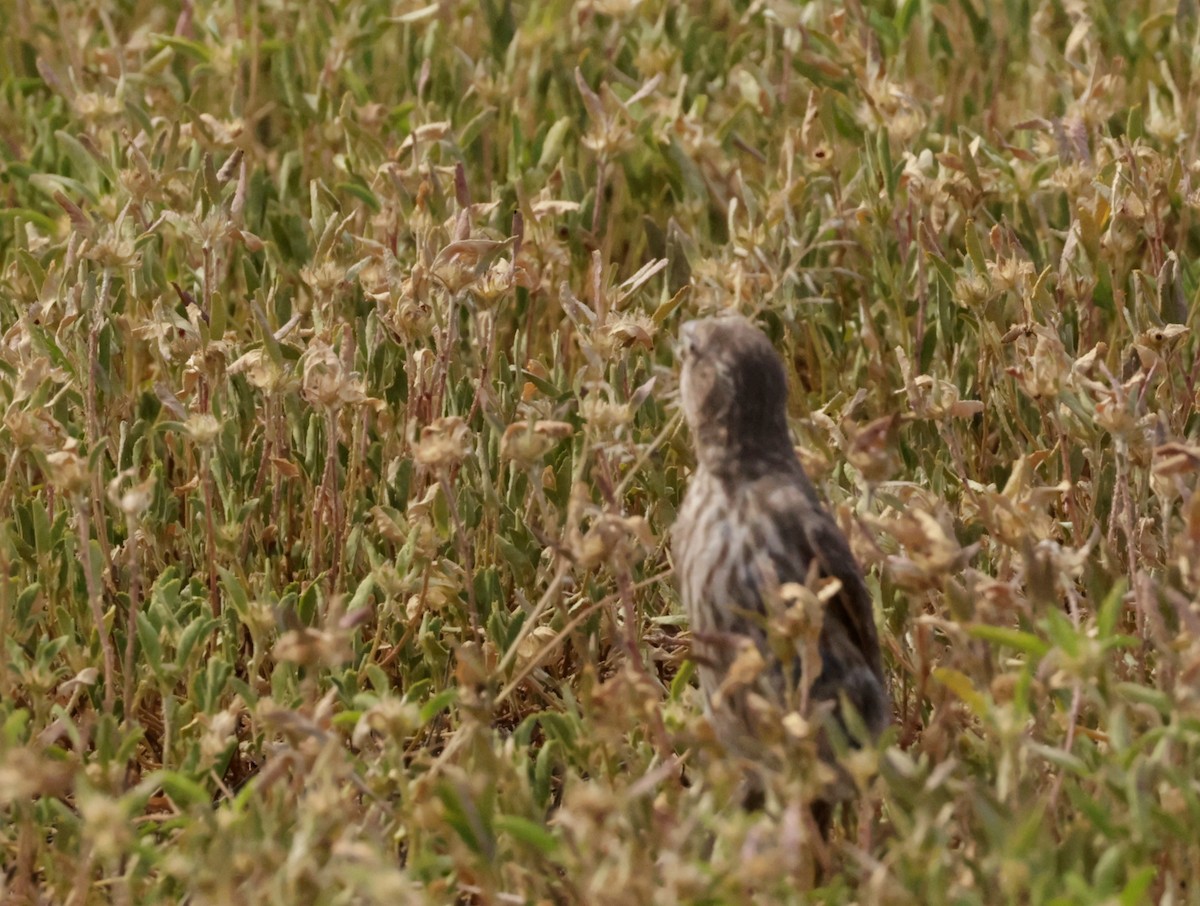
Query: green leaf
{"points": [[904, 15], [1061, 759], [974, 249], [197, 630], [960, 684], [235, 592], [191, 49], [85, 164], [682, 680], [362, 193], [473, 129], [184, 791], [438, 703], [552, 146], [50, 184], [1010, 638], [16, 727], [1144, 695], [1111, 608], [37, 218], [151, 648], [528, 832], [362, 593], [1138, 885]]}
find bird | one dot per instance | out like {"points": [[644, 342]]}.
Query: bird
{"points": [[751, 539]]}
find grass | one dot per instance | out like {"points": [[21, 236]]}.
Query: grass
{"points": [[340, 450]]}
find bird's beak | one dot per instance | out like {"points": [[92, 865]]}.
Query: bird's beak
{"points": [[687, 338]]}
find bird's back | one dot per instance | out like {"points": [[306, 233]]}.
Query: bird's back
{"points": [[738, 539]]}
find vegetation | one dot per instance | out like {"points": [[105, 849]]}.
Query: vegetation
{"points": [[340, 447]]}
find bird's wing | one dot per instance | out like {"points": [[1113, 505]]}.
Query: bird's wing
{"points": [[810, 534]]}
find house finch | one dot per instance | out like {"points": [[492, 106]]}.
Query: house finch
{"points": [[754, 553]]}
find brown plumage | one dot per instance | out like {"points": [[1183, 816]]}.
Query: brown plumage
{"points": [[750, 523]]}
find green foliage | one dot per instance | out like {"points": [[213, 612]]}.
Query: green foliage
{"points": [[339, 446]]}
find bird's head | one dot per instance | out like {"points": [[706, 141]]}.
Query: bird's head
{"points": [[733, 390]]}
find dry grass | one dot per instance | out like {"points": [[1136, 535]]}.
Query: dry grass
{"points": [[339, 444]]}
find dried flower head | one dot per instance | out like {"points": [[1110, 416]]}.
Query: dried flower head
{"points": [[445, 443]]}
